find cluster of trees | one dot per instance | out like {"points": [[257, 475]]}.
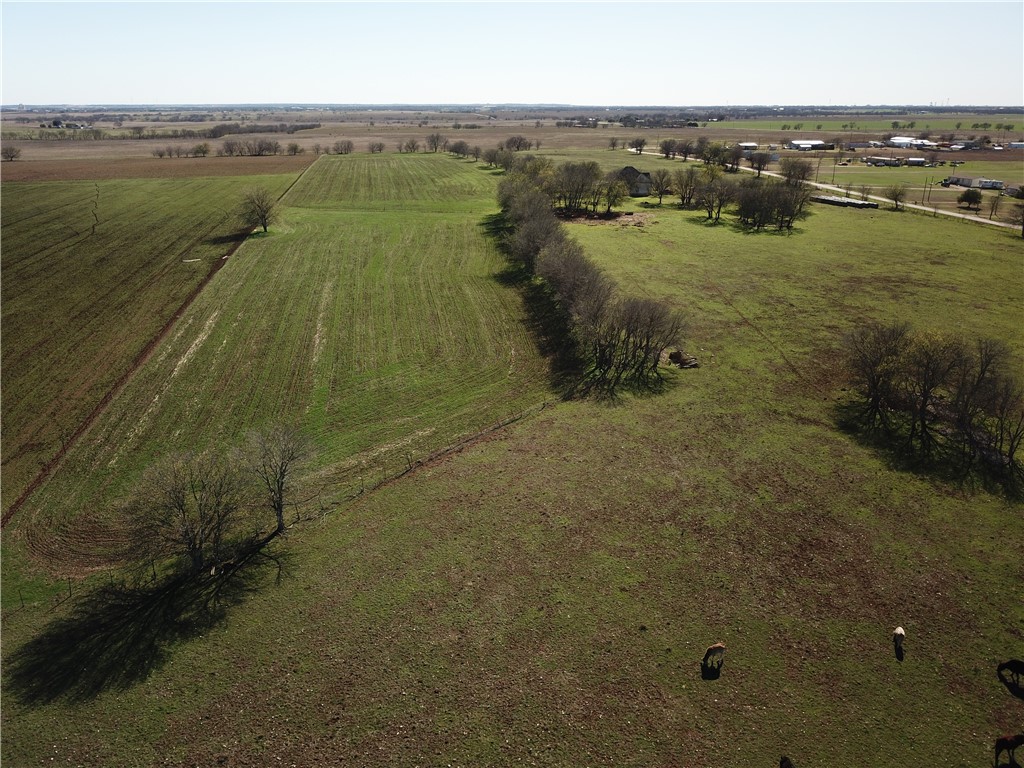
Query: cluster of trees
{"points": [[199, 150], [462, 148], [620, 339], [940, 394], [570, 188], [249, 148], [224, 129], [770, 202], [202, 509]]}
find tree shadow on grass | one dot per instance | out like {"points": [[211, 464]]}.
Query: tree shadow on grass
{"points": [[547, 322], [117, 635], [942, 465], [234, 237]]}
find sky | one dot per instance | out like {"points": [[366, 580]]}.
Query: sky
{"points": [[584, 53]]}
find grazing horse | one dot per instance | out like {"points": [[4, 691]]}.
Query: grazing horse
{"points": [[897, 638], [1008, 744], [715, 652]]}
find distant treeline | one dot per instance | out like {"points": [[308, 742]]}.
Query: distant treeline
{"points": [[62, 133]]}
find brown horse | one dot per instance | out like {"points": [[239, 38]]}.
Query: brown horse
{"points": [[715, 652]]}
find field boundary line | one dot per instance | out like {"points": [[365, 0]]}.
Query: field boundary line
{"points": [[435, 456], [47, 470]]}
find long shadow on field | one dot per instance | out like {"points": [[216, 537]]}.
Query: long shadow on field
{"points": [[1009, 674], [234, 237], [547, 323], [119, 634], [945, 463]]}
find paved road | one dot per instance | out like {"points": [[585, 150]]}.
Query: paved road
{"points": [[842, 193]]}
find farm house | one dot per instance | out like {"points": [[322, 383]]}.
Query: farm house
{"points": [[638, 181]]}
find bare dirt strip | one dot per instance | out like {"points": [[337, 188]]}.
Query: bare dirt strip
{"points": [[140, 360]]}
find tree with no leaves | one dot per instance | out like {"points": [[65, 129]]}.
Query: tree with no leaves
{"points": [[638, 144], [1017, 217], [258, 208], [10, 154], [271, 456], [189, 506], [796, 170], [661, 180]]}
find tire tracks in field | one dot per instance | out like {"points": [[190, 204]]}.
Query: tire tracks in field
{"points": [[122, 381], [727, 300]]}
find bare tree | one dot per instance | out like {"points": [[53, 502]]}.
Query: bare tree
{"points": [[874, 356], [376, 147], [435, 141], [714, 195], [258, 208], [1017, 217], [10, 154], [993, 205], [661, 181], [344, 147], [613, 143], [411, 145], [685, 182], [796, 170], [667, 147], [684, 147], [271, 456], [638, 144], [928, 367], [190, 506]]}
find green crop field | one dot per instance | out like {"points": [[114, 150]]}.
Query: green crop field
{"points": [[544, 595], [92, 271], [384, 334]]}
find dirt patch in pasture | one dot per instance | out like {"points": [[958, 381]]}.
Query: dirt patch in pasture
{"points": [[153, 167], [619, 220]]}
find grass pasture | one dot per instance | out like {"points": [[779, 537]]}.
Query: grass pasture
{"points": [[544, 596]]}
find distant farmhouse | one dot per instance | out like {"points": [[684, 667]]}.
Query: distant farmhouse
{"points": [[639, 182]]}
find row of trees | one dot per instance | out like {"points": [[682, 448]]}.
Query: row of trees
{"points": [[201, 509], [939, 394], [620, 339]]}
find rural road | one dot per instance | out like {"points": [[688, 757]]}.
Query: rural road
{"points": [[842, 192]]}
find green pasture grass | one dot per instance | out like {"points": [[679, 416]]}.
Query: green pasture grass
{"points": [[92, 271], [545, 596], [383, 334]]}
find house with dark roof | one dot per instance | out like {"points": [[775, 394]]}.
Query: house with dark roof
{"points": [[639, 182]]}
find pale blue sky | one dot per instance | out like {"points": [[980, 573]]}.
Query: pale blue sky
{"points": [[605, 53]]}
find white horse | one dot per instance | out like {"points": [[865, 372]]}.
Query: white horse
{"points": [[898, 636]]}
